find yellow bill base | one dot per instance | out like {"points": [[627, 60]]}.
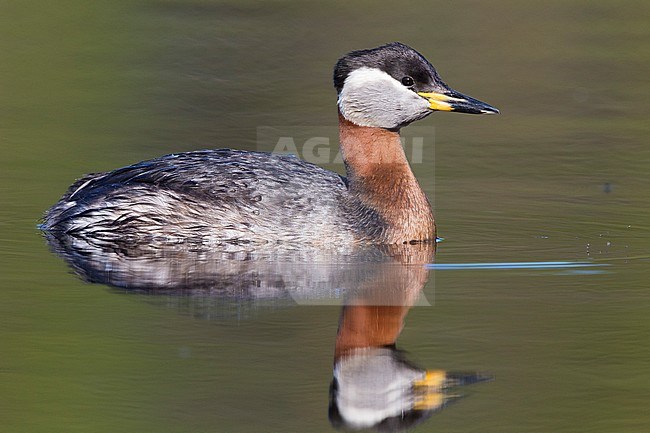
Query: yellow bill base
{"points": [[439, 102]]}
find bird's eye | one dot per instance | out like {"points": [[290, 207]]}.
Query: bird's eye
{"points": [[408, 81]]}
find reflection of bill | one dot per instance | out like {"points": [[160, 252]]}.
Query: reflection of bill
{"points": [[378, 388], [374, 386]]}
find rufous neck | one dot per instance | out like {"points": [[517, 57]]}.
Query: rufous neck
{"points": [[368, 149], [380, 178]]}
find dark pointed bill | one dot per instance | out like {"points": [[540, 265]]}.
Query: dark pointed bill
{"points": [[451, 100]]}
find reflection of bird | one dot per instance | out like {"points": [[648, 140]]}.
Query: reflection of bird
{"points": [[229, 197], [379, 388]]}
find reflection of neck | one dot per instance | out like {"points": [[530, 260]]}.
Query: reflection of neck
{"points": [[368, 326], [381, 178], [374, 316]]}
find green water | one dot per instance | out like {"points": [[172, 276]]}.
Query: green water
{"points": [[560, 175]]}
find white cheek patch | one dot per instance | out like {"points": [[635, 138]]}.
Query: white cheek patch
{"points": [[371, 97]]}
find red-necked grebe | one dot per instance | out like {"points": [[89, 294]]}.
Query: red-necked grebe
{"points": [[218, 197]]}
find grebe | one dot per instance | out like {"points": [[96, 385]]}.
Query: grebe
{"points": [[222, 197]]}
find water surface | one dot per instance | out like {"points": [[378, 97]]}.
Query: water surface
{"points": [[559, 176]]}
